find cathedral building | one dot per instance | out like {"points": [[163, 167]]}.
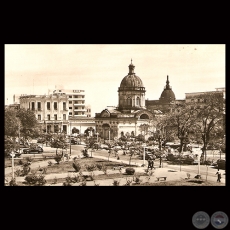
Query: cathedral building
{"points": [[166, 100], [130, 113]]}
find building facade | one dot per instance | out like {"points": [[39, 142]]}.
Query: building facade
{"points": [[130, 113], [61, 110]]}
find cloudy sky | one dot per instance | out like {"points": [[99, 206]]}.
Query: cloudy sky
{"points": [[99, 69]]}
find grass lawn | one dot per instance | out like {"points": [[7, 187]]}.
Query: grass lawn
{"points": [[67, 166]]}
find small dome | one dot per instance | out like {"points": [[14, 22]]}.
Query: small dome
{"points": [[167, 95]]}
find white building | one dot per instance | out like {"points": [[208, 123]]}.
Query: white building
{"points": [[60, 110]]}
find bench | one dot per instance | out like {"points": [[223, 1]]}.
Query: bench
{"points": [[158, 178]]}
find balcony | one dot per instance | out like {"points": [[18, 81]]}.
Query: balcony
{"points": [[79, 104], [81, 110]]}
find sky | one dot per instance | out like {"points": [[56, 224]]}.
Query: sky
{"points": [[99, 69]]}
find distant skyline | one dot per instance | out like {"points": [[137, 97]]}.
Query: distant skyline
{"points": [[99, 69]]}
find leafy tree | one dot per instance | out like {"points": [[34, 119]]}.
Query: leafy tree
{"points": [[11, 122], [180, 121], [75, 130], [210, 118]]}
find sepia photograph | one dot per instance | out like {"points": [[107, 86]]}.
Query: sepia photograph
{"points": [[114, 115]]}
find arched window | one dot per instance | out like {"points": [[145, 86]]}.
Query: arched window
{"points": [[144, 116], [129, 101], [138, 101]]}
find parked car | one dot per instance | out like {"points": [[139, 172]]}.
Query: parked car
{"points": [[104, 146], [37, 149]]}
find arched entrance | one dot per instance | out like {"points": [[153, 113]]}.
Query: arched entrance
{"points": [[105, 131]]}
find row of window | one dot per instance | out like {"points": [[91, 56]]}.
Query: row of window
{"points": [[129, 101], [76, 113], [55, 117], [76, 96], [47, 105], [76, 102]]}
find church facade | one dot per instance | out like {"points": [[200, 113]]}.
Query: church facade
{"points": [[131, 112]]}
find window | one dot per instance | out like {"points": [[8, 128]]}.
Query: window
{"points": [[70, 107], [129, 101], [64, 106], [70, 113], [32, 105], [83, 107], [83, 113], [64, 116], [83, 97], [75, 113], [48, 105], [55, 116], [39, 117], [138, 101], [55, 105], [70, 102], [48, 117], [70, 96], [39, 106], [75, 96]]}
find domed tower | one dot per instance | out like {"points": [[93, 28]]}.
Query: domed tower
{"points": [[167, 95], [131, 93]]}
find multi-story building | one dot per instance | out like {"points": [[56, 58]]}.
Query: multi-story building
{"points": [[88, 110], [60, 110]]}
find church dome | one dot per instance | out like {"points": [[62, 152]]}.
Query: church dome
{"points": [[167, 95], [131, 81]]}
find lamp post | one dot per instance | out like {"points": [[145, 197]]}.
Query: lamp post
{"points": [[70, 139], [109, 136], [144, 146]]}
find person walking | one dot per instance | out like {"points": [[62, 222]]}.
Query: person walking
{"points": [[218, 176]]}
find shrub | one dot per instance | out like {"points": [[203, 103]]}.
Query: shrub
{"points": [[90, 168], [40, 180], [13, 182], [99, 166], [76, 166], [83, 183], [57, 158], [20, 162], [49, 163], [130, 171], [66, 184], [31, 179], [137, 179], [25, 169], [116, 183], [29, 159], [128, 182]]}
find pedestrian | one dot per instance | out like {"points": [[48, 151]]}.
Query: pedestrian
{"points": [[218, 176]]}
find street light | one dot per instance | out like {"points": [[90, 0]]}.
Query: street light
{"points": [[70, 139], [144, 146], [109, 136]]}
